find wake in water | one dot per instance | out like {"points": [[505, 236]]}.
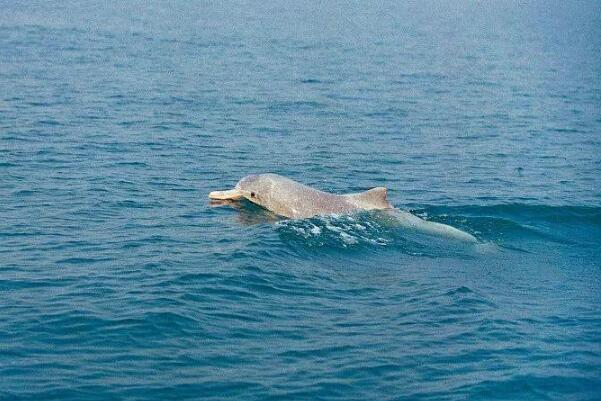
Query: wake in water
{"points": [[391, 216], [374, 229], [426, 231]]}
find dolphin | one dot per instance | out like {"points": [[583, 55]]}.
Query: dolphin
{"points": [[291, 199]]}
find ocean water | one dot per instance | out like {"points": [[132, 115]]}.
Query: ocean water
{"points": [[119, 280]]}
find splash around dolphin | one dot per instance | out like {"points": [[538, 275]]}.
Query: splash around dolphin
{"points": [[291, 199]]}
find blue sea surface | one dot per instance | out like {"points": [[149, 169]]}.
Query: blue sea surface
{"points": [[120, 281]]}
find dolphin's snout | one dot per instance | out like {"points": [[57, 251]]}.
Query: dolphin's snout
{"points": [[230, 194]]}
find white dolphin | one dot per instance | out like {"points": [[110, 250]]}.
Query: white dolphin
{"points": [[288, 198]]}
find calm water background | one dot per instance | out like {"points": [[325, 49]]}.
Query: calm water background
{"points": [[119, 281]]}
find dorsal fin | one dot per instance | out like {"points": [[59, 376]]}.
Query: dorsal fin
{"points": [[374, 198]]}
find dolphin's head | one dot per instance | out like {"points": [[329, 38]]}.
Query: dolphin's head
{"points": [[256, 188], [271, 191]]}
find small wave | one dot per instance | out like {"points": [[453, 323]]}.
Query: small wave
{"points": [[512, 227], [518, 223], [335, 230], [372, 230]]}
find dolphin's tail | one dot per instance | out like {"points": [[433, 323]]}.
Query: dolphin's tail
{"points": [[409, 220]]}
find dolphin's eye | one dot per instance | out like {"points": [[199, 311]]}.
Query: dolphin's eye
{"points": [[252, 194]]}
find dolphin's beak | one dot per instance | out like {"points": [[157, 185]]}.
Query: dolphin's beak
{"points": [[231, 194]]}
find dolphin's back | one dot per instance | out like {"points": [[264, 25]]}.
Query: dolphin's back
{"points": [[293, 199]]}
